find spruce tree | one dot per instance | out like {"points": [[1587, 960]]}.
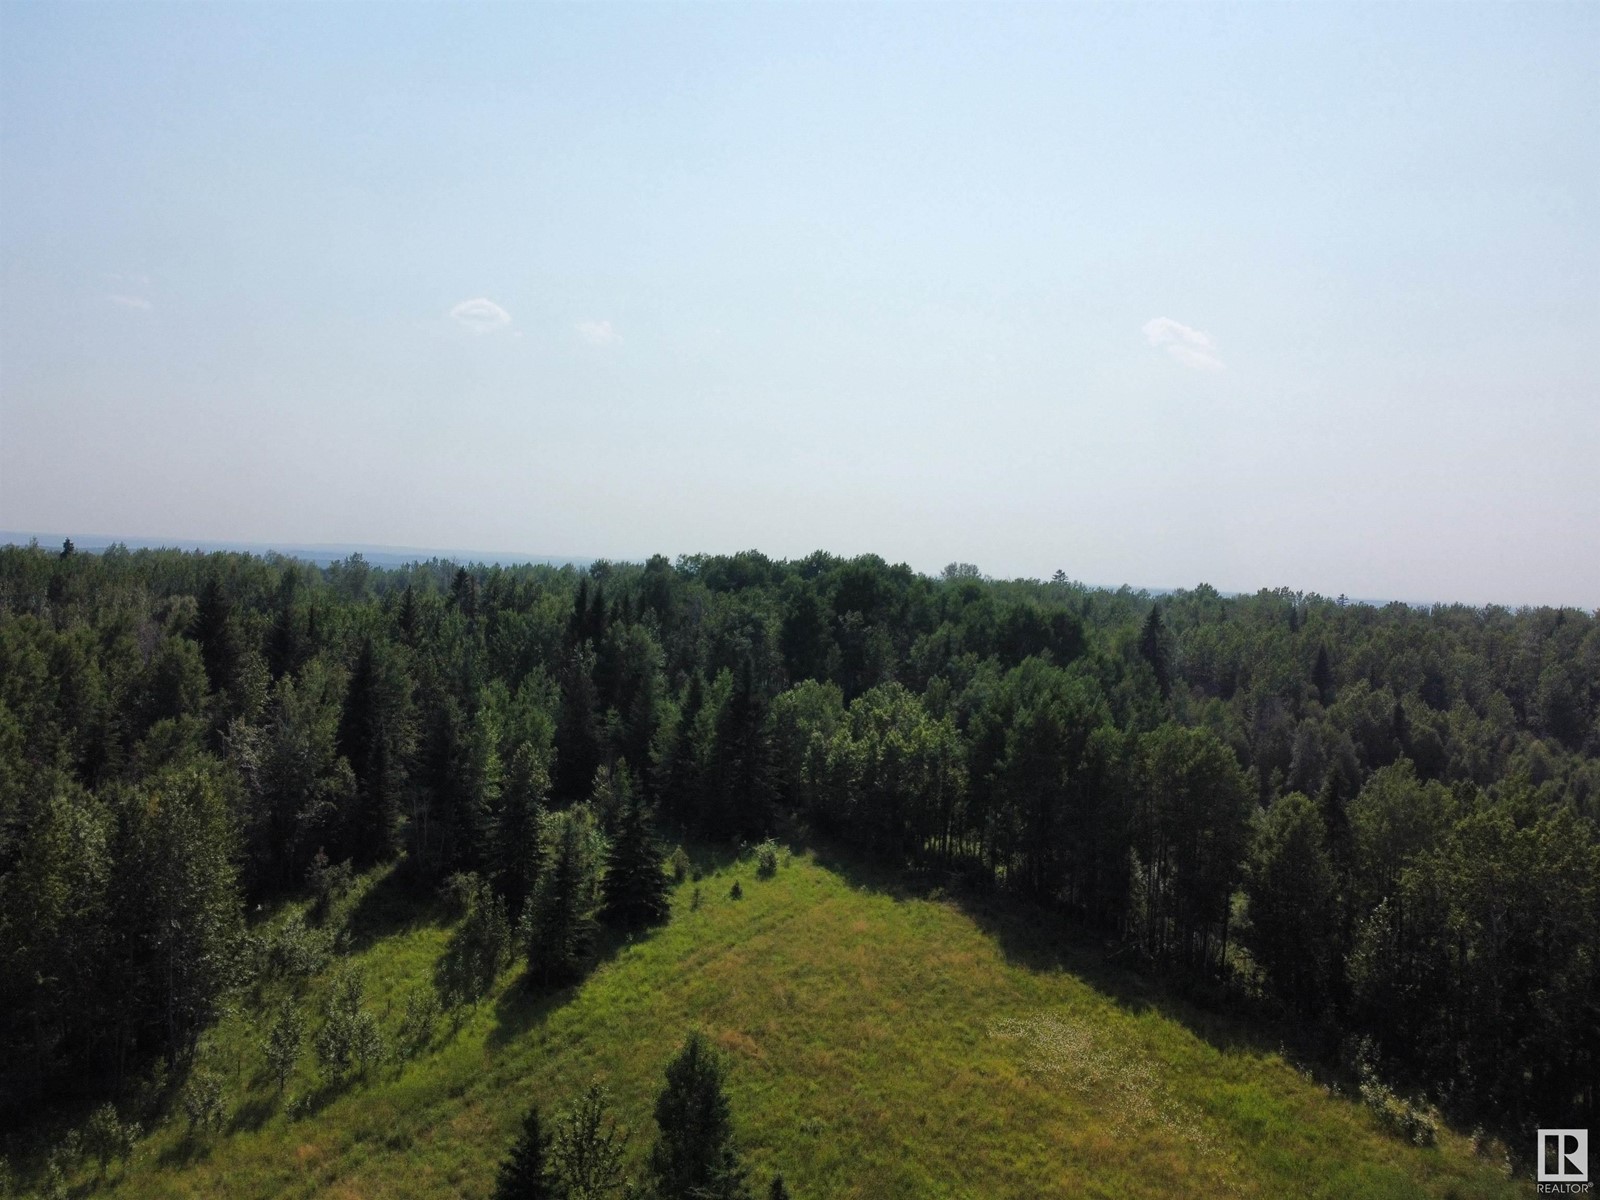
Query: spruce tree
{"points": [[1153, 648], [635, 885], [562, 927], [577, 730], [518, 836], [694, 1156], [525, 1173]]}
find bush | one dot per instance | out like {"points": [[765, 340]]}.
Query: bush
{"points": [[417, 1024], [328, 883], [678, 864], [109, 1137], [297, 952], [348, 1034], [202, 1100], [767, 859], [1398, 1115], [736, 892]]}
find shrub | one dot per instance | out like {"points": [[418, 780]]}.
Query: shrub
{"points": [[736, 892], [109, 1137], [328, 883], [1398, 1115], [284, 1039], [767, 859], [297, 952], [345, 1036], [202, 1100], [678, 864], [417, 1023]]}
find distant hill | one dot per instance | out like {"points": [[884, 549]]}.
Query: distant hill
{"points": [[321, 553]]}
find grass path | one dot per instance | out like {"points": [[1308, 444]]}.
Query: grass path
{"points": [[879, 1048]]}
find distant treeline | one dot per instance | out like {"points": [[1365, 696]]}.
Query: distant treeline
{"points": [[1383, 819]]}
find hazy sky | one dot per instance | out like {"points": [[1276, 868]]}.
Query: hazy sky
{"points": [[1252, 294]]}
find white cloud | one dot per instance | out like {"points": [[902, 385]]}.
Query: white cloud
{"points": [[1188, 346], [480, 316], [598, 333], [138, 302]]}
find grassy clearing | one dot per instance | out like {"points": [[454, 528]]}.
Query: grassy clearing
{"points": [[879, 1046]]}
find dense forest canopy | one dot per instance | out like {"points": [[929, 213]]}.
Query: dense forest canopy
{"points": [[1378, 820]]}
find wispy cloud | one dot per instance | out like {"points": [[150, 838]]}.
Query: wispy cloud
{"points": [[1184, 345], [138, 302], [480, 316], [598, 333]]}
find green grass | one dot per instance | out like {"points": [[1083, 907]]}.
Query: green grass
{"points": [[879, 1046]]}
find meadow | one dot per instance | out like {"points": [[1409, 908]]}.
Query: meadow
{"points": [[880, 1045]]}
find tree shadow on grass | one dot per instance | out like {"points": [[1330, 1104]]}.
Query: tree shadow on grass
{"points": [[1044, 941], [527, 1003], [394, 904], [252, 1114]]}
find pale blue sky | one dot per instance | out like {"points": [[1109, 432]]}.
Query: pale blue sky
{"points": [[1250, 294]]}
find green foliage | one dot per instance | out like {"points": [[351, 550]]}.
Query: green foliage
{"points": [[562, 924], [1290, 884], [635, 883], [767, 859], [736, 892], [586, 1148], [202, 1100], [417, 1022], [108, 1137], [694, 1157], [525, 1173], [285, 1040], [296, 951], [678, 864], [349, 1037], [480, 948]]}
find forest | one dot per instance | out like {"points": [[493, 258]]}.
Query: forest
{"points": [[1372, 825]]}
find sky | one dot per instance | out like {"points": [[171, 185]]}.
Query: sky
{"points": [[1256, 295]]}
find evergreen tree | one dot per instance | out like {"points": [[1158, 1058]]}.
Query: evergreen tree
{"points": [[635, 884], [561, 929], [586, 1148], [1322, 675], [741, 778], [694, 1157], [518, 844], [1153, 649], [577, 729], [375, 738], [525, 1173]]}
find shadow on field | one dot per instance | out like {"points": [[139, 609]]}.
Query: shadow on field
{"points": [[1044, 940], [391, 905]]}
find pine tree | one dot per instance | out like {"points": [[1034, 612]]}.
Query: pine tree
{"points": [[1322, 675], [1153, 648], [635, 885], [577, 732], [562, 926], [525, 1173], [740, 787], [518, 844], [694, 1156]]}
